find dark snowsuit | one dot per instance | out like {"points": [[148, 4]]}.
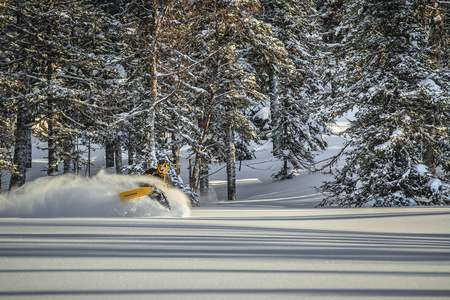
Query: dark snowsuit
{"points": [[157, 194], [155, 173]]}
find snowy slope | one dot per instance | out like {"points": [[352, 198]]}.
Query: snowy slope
{"points": [[229, 253], [71, 238]]}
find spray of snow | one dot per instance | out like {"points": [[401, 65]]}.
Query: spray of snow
{"points": [[76, 196]]}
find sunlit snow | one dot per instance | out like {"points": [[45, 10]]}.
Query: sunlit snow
{"points": [[71, 237]]}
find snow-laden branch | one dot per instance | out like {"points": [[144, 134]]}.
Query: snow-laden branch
{"points": [[332, 160], [64, 76], [230, 92], [190, 66], [180, 81], [250, 165]]}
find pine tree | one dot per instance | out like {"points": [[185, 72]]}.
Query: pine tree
{"points": [[15, 86], [224, 88], [6, 142], [154, 57], [53, 51], [399, 135], [293, 83]]}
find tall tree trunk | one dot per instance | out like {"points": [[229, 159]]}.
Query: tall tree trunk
{"points": [[274, 111], [194, 170], [130, 149], [118, 155], [130, 156], [109, 153], [191, 179], [52, 159], [285, 169], [429, 160], [231, 163], [76, 160], [176, 153], [21, 147], [68, 150], [29, 147], [204, 180], [204, 123], [151, 140], [52, 116], [153, 86], [282, 147]]}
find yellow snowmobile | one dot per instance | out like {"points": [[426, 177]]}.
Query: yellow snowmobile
{"points": [[151, 191]]}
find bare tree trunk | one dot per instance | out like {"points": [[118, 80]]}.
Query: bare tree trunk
{"points": [[52, 118], [193, 178], [130, 156], [89, 158], [429, 159], [176, 153], [109, 153], [130, 149], [21, 148], [285, 169], [231, 163], [151, 140], [29, 147], [204, 180], [118, 155], [153, 86], [68, 150], [204, 124], [274, 111], [52, 159]]}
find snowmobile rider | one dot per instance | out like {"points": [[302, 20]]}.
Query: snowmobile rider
{"points": [[160, 171]]}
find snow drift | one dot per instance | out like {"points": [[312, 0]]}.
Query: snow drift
{"points": [[76, 196]]}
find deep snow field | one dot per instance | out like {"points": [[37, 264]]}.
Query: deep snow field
{"points": [[71, 237]]}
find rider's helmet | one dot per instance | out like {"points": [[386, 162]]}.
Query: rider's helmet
{"points": [[163, 166]]}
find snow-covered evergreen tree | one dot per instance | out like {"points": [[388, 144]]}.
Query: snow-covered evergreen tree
{"points": [[53, 51], [398, 139], [15, 85], [6, 117], [6, 142], [154, 60], [292, 82], [224, 87]]}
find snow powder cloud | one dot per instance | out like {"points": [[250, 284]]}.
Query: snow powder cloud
{"points": [[76, 196]]}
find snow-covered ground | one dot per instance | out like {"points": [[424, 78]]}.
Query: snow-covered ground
{"points": [[230, 253], [69, 237]]}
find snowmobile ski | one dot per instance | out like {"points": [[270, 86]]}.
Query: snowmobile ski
{"points": [[150, 191], [136, 193]]}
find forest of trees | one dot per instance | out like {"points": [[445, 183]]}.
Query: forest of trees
{"points": [[216, 76]]}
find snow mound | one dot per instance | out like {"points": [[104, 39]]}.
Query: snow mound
{"points": [[76, 196]]}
